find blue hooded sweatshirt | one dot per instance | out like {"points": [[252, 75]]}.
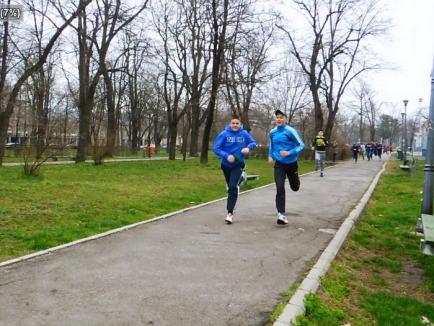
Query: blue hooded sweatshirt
{"points": [[230, 142], [285, 138]]}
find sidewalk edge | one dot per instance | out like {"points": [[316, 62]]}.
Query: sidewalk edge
{"points": [[311, 282]]}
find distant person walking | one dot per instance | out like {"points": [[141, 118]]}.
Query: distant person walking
{"points": [[285, 144], [369, 150], [355, 152], [362, 151], [319, 145], [379, 150], [231, 146]]}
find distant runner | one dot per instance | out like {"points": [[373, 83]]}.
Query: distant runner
{"points": [[319, 144]]}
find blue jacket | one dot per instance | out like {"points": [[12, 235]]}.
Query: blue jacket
{"points": [[285, 138], [230, 142]]}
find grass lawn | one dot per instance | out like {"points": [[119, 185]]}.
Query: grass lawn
{"points": [[69, 202], [380, 277]]}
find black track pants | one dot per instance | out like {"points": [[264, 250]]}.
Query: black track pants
{"points": [[281, 171]]}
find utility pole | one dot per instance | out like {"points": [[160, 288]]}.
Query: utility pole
{"points": [[426, 222], [405, 131], [427, 201], [402, 136]]}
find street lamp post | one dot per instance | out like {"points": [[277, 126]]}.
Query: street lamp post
{"points": [[402, 135], [405, 130], [390, 132], [419, 125]]}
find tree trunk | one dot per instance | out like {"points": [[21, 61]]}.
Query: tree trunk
{"points": [[218, 51], [83, 133], [372, 132], [4, 124], [111, 117], [185, 132], [172, 139], [319, 117], [41, 112], [329, 126], [5, 116], [195, 125], [84, 108]]}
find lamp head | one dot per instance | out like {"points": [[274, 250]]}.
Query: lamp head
{"points": [[405, 102]]}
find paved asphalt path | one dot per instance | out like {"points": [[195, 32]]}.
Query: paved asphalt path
{"points": [[191, 268]]}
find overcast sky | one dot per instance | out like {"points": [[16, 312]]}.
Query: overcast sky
{"points": [[411, 49]]}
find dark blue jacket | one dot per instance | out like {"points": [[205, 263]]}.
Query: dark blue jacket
{"points": [[230, 142]]}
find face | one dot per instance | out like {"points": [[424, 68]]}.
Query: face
{"points": [[280, 119], [235, 124], [320, 132]]}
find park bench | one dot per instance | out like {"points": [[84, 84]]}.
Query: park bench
{"points": [[252, 177], [408, 165], [247, 177], [425, 227]]}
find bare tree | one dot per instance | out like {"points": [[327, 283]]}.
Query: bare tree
{"points": [[7, 111], [193, 50], [414, 126], [105, 21], [244, 69], [339, 30], [41, 93], [288, 90], [42, 83], [113, 18], [157, 106], [135, 52], [372, 113], [167, 25], [368, 108], [309, 59], [185, 35], [219, 41], [354, 23], [388, 128]]}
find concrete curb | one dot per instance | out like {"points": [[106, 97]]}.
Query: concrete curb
{"points": [[295, 306]]}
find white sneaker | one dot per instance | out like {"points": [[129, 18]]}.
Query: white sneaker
{"points": [[281, 219], [243, 178], [228, 218]]}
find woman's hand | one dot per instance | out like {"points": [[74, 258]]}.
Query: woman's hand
{"points": [[270, 160], [284, 153]]}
